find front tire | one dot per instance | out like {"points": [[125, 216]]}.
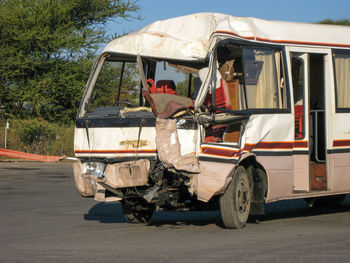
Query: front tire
{"points": [[139, 212], [235, 202]]}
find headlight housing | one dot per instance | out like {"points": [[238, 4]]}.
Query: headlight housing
{"points": [[94, 168]]}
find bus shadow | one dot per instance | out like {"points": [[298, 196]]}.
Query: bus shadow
{"points": [[106, 213], [188, 218], [299, 208], [113, 213]]}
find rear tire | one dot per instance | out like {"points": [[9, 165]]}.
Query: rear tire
{"points": [[137, 212], [236, 201]]}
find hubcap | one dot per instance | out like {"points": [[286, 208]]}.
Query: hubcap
{"points": [[242, 197]]}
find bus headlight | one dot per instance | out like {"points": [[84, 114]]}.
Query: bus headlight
{"points": [[94, 168]]}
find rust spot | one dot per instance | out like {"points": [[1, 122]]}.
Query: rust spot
{"points": [[134, 143], [158, 34]]}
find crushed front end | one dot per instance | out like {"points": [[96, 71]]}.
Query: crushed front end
{"points": [[138, 148]]}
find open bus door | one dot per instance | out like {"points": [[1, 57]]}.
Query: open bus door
{"points": [[309, 76]]}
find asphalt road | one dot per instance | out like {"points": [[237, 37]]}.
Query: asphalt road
{"points": [[44, 219]]}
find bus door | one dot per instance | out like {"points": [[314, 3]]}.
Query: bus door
{"points": [[309, 77]]}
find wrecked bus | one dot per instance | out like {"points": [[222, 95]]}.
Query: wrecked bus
{"points": [[211, 111]]}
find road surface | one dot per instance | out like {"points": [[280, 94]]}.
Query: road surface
{"points": [[44, 219]]}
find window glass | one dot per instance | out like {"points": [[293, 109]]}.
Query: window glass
{"points": [[298, 92], [342, 78], [263, 78], [118, 83], [298, 80], [176, 74]]}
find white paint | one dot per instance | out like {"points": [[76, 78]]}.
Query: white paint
{"points": [[111, 139], [173, 138], [187, 139], [269, 128], [282, 31]]}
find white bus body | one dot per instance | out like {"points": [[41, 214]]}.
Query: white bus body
{"points": [[268, 117]]}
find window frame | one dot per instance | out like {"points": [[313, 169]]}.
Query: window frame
{"points": [[118, 83], [334, 53], [303, 94], [241, 45]]}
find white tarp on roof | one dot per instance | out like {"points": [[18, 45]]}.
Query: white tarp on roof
{"points": [[188, 37], [183, 37]]}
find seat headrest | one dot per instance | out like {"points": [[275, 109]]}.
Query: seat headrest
{"points": [[165, 84]]}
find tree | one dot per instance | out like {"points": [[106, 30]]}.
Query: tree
{"points": [[46, 51], [182, 86], [344, 22]]}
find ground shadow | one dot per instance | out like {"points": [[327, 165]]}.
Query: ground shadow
{"points": [[20, 168], [106, 213], [193, 218], [112, 213], [299, 208]]}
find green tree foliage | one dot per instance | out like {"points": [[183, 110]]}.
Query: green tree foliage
{"points": [[46, 50], [344, 22], [182, 86], [108, 82], [35, 130]]}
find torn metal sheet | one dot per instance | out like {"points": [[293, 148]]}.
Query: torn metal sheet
{"points": [[100, 195], [127, 174], [213, 179], [169, 149], [85, 185]]}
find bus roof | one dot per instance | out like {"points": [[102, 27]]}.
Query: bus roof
{"points": [[283, 32], [183, 37], [188, 37]]}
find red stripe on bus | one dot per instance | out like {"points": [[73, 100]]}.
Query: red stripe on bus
{"points": [[301, 144], [115, 151], [282, 41], [341, 143], [210, 150], [220, 152], [269, 145]]}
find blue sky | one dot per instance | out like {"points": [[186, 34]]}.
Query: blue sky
{"points": [[287, 10]]}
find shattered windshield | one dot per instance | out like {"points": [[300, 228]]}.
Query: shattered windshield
{"points": [[117, 84], [180, 79]]}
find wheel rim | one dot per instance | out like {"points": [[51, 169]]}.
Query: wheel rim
{"points": [[243, 200]]}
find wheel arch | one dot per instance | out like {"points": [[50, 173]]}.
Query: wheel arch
{"points": [[259, 183]]}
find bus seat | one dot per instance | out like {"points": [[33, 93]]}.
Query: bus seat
{"points": [[165, 86], [298, 117], [221, 100], [151, 86], [214, 133], [227, 95]]}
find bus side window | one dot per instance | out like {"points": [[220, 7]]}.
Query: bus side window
{"points": [[298, 92]]}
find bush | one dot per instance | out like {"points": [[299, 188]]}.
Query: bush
{"points": [[35, 131], [39, 137]]}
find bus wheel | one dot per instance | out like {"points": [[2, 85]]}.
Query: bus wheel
{"points": [[326, 201], [137, 212], [235, 202]]}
